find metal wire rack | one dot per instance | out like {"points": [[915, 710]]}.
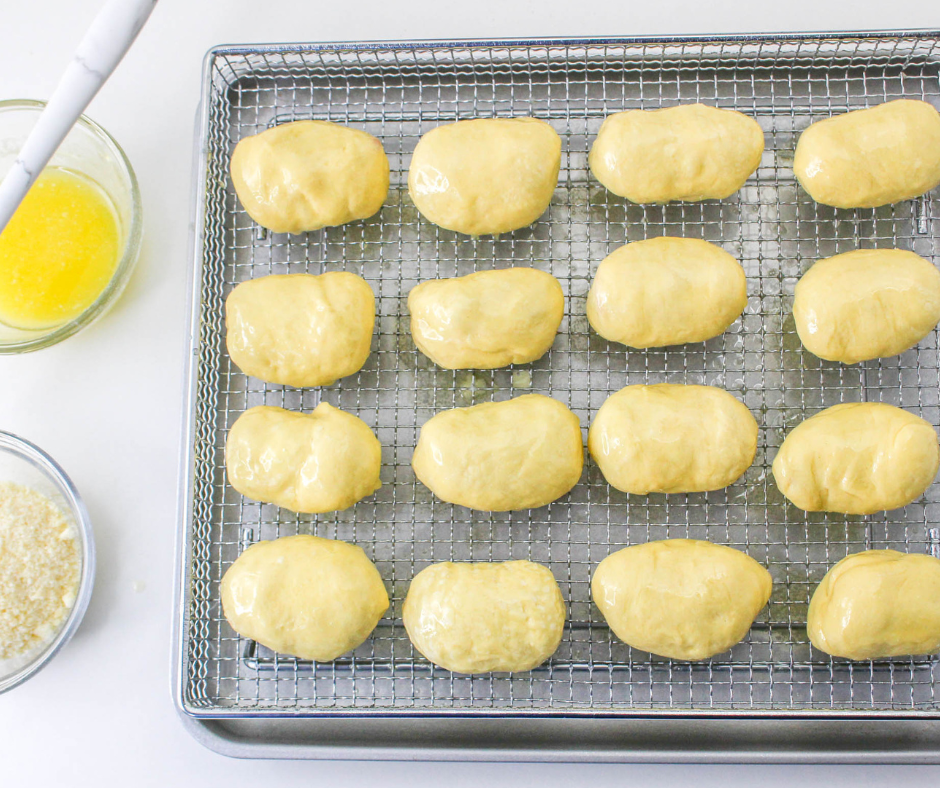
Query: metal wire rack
{"points": [[398, 92]]}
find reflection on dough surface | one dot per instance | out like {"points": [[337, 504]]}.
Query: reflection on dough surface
{"points": [[871, 157], [871, 303], [309, 174], [488, 319], [300, 329], [499, 456], [857, 458], [485, 176], [669, 438], [680, 598], [474, 618], [666, 291], [689, 152], [302, 595], [877, 604], [318, 462]]}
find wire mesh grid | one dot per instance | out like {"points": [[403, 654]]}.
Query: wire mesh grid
{"points": [[399, 92]]}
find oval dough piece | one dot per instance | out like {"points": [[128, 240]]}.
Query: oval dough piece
{"points": [[666, 291], [500, 456], [857, 458], [485, 176], [302, 595], [668, 438], [309, 174], [680, 598], [867, 304], [488, 319], [871, 157], [690, 152], [318, 462], [474, 618], [300, 329], [877, 604]]}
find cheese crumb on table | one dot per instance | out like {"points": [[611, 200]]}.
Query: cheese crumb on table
{"points": [[40, 567]]}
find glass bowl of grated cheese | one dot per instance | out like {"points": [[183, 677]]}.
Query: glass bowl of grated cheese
{"points": [[47, 559]]}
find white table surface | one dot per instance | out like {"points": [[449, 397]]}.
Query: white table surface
{"points": [[106, 403]]}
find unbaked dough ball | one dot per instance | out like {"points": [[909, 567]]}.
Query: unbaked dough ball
{"points": [[871, 157], [690, 152], [669, 438], [680, 598], [857, 458], [488, 319], [309, 174], [500, 456], [474, 618], [300, 329], [302, 595], [877, 604], [306, 462], [485, 176], [666, 291]]}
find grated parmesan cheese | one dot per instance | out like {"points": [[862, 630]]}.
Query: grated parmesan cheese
{"points": [[40, 567]]}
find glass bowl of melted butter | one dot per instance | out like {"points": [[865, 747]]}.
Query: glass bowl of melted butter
{"points": [[69, 249]]}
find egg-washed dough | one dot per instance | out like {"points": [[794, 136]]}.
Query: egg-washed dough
{"points": [[871, 303], [672, 438], [318, 462], [680, 598], [500, 456], [666, 291], [485, 176], [488, 319], [857, 458], [877, 604], [300, 329], [302, 595], [309, 174], [871, 157], [690, 152], [474, 618]]}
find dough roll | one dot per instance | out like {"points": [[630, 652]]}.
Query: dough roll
{"points": [[668, 438], [871, 157], [500, 456], [857, 458], [318, 462], [475, 618], [666, 291], [487, 320]]}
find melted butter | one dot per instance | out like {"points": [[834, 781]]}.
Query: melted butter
{"points": [[58, 252]]}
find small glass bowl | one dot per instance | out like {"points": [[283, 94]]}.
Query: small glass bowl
{"points": [[90, 151], [23, 463]]}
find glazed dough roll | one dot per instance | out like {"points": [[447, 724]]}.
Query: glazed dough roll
{"points": [[488, 319], [318, 462], [474, 618], [302, 595], [485, 176], [689, 152], [871, 157], [668, 438], [499, 456], [857, 458], [666, 291], [680, 598], [309, 174], [877, 604], [867, 304], [300, 329]]}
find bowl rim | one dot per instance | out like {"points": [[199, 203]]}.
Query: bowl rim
{"points": [[31, 453], [131, 251]]}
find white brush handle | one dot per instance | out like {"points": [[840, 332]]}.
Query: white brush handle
{"points": [[107, 40]]}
